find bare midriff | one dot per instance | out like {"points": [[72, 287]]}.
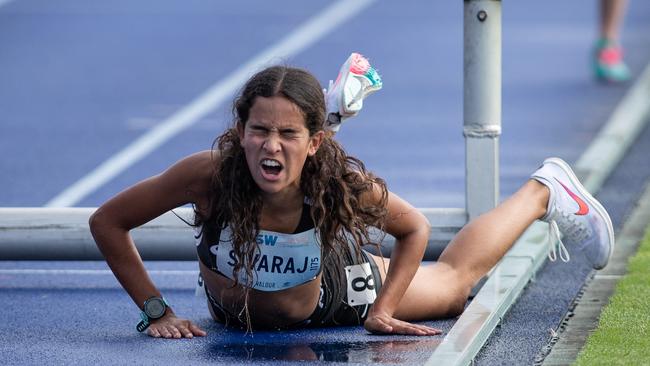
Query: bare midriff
{"points": [[267, 309]]}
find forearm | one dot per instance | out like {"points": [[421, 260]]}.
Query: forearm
{"points": [[404, 263], [122, 257]]}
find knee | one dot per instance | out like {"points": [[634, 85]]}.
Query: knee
{"points": [[456, 290], [460, 287], [458, 302]]}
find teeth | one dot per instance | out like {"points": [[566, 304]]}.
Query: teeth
{"points": [[269, 162]]}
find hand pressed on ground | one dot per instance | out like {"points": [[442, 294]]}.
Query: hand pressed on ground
{"points": [[170, 326], [386, 324]]}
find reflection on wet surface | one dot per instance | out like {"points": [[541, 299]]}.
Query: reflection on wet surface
{"points": [[414, 352]]}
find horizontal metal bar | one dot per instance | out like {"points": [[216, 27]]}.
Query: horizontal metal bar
{"points": [[63, 234]]}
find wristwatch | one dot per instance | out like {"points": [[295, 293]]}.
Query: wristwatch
{"points": [[154, 308]]}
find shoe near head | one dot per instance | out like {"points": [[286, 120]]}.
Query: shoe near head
{"points": [[356, 80], [581, 219]]}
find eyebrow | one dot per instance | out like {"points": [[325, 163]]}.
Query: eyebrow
{"points": [[261, 125]]}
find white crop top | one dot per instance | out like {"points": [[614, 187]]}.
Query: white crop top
{"points": [[282, 260]]}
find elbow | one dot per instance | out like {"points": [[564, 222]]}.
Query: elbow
{"points": [[425, 227], [101, 226], [425, 220], [95, 221]]}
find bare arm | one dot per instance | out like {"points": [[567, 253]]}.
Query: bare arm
{"points": [[184, 182], [411, 230]]}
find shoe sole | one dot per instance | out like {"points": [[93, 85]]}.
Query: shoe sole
{"points": [[604, 75], [360, 95], [590, 199], [367, 87]]}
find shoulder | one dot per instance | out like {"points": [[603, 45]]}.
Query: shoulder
{"points": [[375, 191], [186, 181], [198, 164], [194, 172], [196, 167]]}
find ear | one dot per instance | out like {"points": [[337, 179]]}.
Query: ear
{"points": [[314, 142]]}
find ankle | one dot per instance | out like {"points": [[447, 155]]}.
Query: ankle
{"points": [[541, 195]]}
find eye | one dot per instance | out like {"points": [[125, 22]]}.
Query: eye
{"points": [[258, 130], [289, 133]]}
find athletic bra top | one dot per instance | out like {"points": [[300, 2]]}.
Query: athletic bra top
{"points": [[281, 260]]}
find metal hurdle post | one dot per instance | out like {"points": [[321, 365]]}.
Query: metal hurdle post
{"points": [[481, 103]]}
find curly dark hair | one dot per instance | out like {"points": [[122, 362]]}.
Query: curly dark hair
{"points": [[332, 181]]}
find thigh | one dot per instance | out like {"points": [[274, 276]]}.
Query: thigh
{"points": [[436, 291]]}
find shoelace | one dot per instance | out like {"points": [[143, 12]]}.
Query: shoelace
{"points": [[572, 229], [554, 231]]}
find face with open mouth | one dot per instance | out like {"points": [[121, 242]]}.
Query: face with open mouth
{"points": [[276, 142]]}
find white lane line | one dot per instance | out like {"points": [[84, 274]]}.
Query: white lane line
{"points": [[303, 37], [101, 272]]}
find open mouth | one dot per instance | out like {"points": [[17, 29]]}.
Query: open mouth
{"points": [[271, 167]]}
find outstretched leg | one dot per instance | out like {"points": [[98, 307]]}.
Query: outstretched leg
{"points": [[553, 195], [441, 289]]}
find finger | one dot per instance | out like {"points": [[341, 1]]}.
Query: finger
{"points": [[432, 331], [406, 330], [197, 331], [185, 332], [424, 330], [401, 327], [175, 333], [153, 332], [429, 330], [164, 332]]}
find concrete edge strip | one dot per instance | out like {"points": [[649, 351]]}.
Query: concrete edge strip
{"points": [[304, 36], [566, 351], [474, 327]]}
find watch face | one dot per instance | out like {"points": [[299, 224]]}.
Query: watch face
{"points": [[154, 308]]}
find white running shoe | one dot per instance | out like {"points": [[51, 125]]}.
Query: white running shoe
{"points": [[344, 97], [572, 211]]}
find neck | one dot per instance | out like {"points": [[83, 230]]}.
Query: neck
{"points": [[282, 201]]}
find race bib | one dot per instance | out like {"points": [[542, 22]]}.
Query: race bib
{"points": [[361, 284], [282, 261]]}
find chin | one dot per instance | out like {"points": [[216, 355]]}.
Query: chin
{"points": [[269, 187], [273, 187]]}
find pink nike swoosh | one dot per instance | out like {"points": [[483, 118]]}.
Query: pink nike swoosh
{"points": [[583, 209]]}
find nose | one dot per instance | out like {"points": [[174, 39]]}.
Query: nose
{"points": [[272, 143]]}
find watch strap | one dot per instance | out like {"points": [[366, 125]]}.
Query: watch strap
{"points": [[142, 325], [145, 319]]}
